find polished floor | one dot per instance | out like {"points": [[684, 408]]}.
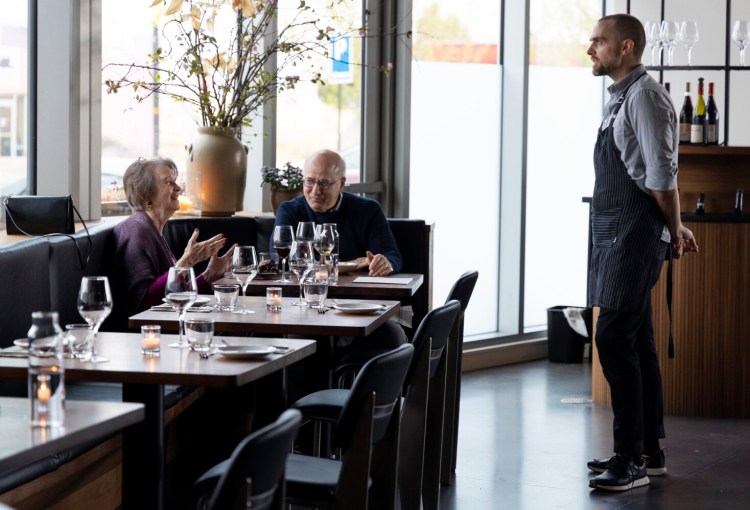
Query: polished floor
{"points": [[522, 448]]}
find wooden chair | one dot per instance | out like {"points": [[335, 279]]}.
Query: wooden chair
{"points": [[366, 431], [254, 474]]}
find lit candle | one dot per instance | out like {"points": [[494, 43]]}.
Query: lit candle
{"points": [[150, 339], [185, 203], [273, 299], [43, 393]]}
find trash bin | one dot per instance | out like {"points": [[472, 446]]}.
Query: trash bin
{"points": [[565, 345]]}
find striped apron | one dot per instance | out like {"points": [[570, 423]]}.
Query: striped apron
{"points": [[627, 225]]}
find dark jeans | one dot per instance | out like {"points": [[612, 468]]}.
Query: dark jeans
{"points": [[627, 353]]}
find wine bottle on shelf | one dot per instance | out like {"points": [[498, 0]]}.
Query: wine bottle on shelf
{"points": [[686, 116], [697, 128], [738, 198], [712, 117], [700, 209]]}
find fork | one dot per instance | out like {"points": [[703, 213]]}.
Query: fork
{"points": [[323, 309], [206, 354]]}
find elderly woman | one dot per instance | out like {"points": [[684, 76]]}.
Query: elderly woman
{"points": [[142, 252]]}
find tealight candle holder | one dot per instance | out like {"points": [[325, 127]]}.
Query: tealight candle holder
{"points": [[151, 340], [273, 299]]}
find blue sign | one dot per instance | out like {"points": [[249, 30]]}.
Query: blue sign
{"points": [[341, 69]]}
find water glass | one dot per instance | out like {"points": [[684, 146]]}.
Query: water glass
{"points": [[316, 292], [200, 333], [333, 268], [151, 340], [80, 341], [226, 296]]}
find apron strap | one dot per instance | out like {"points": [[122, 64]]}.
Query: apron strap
{"points": [[670, 268]]}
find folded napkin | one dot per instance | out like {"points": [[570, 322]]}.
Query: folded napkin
{"points": [[168, 308], [382, 279], [14, 352]]}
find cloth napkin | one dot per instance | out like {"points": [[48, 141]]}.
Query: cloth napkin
{"points": [[168, 308]]}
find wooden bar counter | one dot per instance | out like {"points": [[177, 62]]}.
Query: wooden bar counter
{"points": [[710, 374]]}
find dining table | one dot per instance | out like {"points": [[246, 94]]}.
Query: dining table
{"points": [[143, 379]]}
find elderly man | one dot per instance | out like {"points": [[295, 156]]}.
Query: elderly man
{"points": [[364, 234]]}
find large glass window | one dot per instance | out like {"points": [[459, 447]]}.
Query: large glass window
{"points": [[455, 144], [14, 64], [562, 102], [314, 116]]}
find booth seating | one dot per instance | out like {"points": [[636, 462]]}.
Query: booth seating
{"points": [[44, 273]]}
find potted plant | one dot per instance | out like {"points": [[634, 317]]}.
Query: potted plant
{"points": [[285, 183], [226, 58]]}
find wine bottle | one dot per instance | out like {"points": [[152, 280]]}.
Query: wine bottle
{"points": [[697, 128], [712, 118], [700, 209], [738, 198], [686, 116]]}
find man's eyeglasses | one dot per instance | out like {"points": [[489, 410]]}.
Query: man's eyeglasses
{"points": [[323, 184]]}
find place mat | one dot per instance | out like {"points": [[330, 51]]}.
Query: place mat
{"points": [[382, 279]]}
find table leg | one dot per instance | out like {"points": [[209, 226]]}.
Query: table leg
{"points": [[143, 449]]}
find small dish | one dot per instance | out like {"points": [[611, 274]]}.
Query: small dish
{"points": [[23, 343], [245, 351], [199, 301], [346, 267], [358, 308]]}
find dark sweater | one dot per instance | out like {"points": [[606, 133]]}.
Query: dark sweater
{"points": [[360, 222]]}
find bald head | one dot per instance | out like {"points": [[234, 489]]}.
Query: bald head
{"points": [[324, 173]]}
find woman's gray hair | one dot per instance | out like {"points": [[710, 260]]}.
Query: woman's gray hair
{"points": [[140, 182]]}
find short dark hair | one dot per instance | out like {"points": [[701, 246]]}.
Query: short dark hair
{"points": [[140, 183], [626, 26]]}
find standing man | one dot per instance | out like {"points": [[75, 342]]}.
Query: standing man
{"points": [[635, 215]]}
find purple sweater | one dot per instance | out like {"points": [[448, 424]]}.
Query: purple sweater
{"points": [[145, 258]]}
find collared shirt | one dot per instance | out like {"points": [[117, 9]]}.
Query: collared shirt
{"points": [[645, 131]]}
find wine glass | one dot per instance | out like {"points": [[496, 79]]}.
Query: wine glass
{"points": [[741, 36], [282, 244], [180, 292], [94, 305], [244, 268], [688, 37], [652, 38], [300, 260], [668, 33], [325, 240], [305, 231]]}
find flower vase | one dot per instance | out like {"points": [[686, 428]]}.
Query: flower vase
{"points": [[216, 171], [282, 195]]}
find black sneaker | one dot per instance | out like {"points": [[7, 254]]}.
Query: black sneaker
{"points": [[622, 474], [655, 464]]}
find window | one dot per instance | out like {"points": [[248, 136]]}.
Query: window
{"points": [[14, 65]]}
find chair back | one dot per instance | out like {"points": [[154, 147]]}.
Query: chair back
{"points": [[463, 288], [435, 326], [384, 375], [260, 457]]}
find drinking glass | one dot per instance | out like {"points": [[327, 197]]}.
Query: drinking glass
{"points": [[325, 240], [652, 38], [688, 37], [741, 36], [244, 268], [94, 305], [316, 286], [300, 259], [180, 292], [305, 231], [668, 33], [282, 243]]}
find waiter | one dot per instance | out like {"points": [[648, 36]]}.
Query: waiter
{"points": [[635, 216]]}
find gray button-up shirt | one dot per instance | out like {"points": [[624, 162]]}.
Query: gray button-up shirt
{"points": [[645, 131]]}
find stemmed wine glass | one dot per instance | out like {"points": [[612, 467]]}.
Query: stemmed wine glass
{"points": [[181, 291], [300, 260], [688, 37], [283, 236], [244, 268], [94, 305], [741, 36], [652, 38], [325, 240], [668, 34], [305, 231]]}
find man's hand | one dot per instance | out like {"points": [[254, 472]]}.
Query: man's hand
{"points": [[379, 265], [683, 242]]}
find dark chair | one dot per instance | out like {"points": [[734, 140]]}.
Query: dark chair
{"points": [[254, 473], [422, 411], [461, 292], [366, 432]]}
